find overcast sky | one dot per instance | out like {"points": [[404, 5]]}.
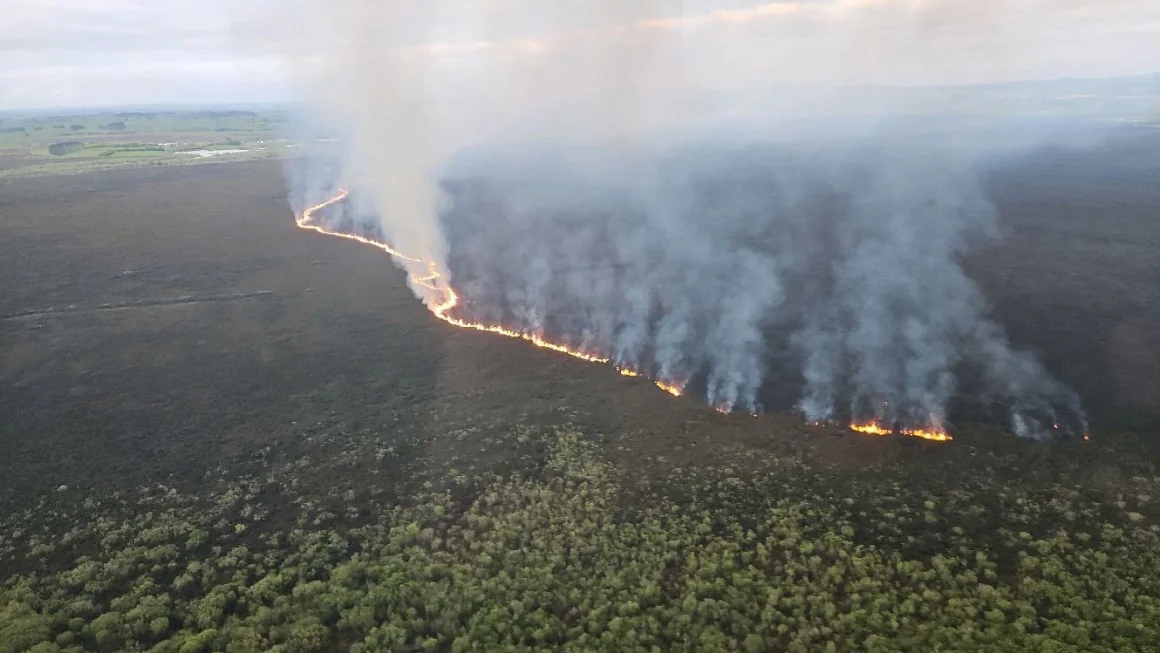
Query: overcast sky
{"points": [[60, 53]]}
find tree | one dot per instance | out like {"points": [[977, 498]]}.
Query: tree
{"points": [[21, 628]]}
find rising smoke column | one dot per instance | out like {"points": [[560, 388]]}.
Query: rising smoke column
{"points": [[681, 273], [649, 269], [351, 60], [899, 316], [888, 318], [613, 241]]}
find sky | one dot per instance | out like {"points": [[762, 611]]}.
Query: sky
{"points": [[64, 53]]}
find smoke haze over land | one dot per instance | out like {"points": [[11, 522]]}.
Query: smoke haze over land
{"points": [[670, 184]]}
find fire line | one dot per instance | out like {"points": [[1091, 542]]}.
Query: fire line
{"points": [[871, 428], [450, 300]]}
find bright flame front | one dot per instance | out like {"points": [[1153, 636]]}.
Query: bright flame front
{"points": [[869, 428], [930, 433], [449, 299], [430, 280]]}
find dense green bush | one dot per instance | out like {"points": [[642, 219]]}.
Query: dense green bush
{"points": [[555, 561]]}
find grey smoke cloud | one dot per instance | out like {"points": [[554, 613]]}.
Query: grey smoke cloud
{"points": [[690, 270], [573, 169]]}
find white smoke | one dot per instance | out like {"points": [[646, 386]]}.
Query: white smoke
{"points": [[688, 272], [574, 148]]}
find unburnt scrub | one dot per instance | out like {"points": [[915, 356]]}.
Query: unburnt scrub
{"points": [[559, 560]]}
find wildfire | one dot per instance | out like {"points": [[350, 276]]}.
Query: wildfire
{"points": [[430, 281], [306, 221], [452, 301], [932, 434], [869, 428], [449, 300]]}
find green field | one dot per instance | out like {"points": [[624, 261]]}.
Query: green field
{"points": [[114, 139]]}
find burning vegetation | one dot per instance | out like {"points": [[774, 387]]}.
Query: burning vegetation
{"points": [[627, 214], [447, 300]]}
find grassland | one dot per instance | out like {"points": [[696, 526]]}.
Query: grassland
{"points": [[134, 138]]}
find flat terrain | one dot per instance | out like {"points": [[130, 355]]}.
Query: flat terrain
{"points": [[157, 322], [1076, 276], [220, 432], [278, 330], [39, 143]]}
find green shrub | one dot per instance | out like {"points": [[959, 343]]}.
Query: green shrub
{"points": [[554, 561]]}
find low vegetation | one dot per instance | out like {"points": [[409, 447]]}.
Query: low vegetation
{"points": [[572, 554], [65, 147], [44, 144]]}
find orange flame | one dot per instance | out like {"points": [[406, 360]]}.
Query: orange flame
{"points": [[306, 221], [870, 428], [430, 280], [674, 390], [932, 434], [450, 300]]}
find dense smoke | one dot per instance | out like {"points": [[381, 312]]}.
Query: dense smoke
{"points": [[692, 270], [637, 179]]}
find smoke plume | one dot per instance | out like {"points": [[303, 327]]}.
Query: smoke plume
{"points": [[686, 187]]}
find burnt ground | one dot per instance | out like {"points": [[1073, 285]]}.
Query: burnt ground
{"points": [[1076, 276], [160, 322]]}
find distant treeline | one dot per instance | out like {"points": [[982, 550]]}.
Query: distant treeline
{"points": [[188, 114], [146, 115]]}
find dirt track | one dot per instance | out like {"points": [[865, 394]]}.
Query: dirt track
{"points": [[323, 334]]}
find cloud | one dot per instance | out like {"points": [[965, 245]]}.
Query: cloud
{"points": [[56, 53], [110, 26], [767, 43], [879, 41]]}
